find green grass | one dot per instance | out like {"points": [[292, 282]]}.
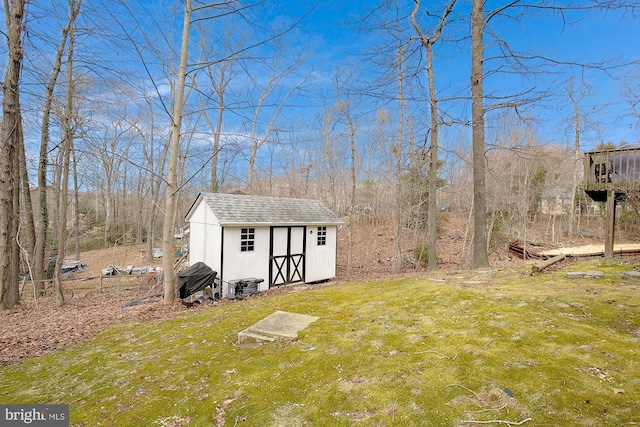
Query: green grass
{"points": [[536, 350]]}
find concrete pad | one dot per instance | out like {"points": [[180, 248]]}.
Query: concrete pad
{"points": [[631, 274], [280, 324], [246, 337], [594, 274]]}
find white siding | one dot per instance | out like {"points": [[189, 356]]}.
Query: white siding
{"points": [[240, 265], [205, 238], [321, 260], [220, 247]]}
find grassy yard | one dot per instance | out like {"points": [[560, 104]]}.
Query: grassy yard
{"points": [[510, 349]]}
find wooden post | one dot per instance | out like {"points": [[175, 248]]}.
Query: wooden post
{"points": [[611, 224]]}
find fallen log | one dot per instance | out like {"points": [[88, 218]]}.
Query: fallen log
{"points": [[537, 268]]}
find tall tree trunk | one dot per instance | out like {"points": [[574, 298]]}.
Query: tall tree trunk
{"points": [[140, 201], [432, 227], [62, 217], [108, 206], [14, 289], [215, 184], [55, 190], [43, 214], [155, 202], [352, 202], [576, 160], [66, 146], [330, 160], [76, 203], [14, 13], [428, 43], [25, 203], [172, 178], [480, 251], [399, 196]]}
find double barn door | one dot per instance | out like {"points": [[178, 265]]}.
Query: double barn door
{"points": [[287, 255]]}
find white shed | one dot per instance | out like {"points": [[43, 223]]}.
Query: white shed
{"points": [[280, 240]]}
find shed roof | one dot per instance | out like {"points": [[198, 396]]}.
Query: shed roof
{"points": [[236, 209]]}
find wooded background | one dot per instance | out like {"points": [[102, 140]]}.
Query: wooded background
{"points": [[117, 114]]}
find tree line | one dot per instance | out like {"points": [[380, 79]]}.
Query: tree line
{"points": [[116, 114]]}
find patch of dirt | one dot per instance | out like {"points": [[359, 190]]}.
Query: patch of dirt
{"points": [[38, 327], [32, 330]]}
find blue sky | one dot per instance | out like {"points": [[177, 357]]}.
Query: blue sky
{"points": [[589, 38], [335, 36], [607, 38]]}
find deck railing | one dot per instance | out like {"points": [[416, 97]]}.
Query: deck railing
{"points": [[617, 170]]}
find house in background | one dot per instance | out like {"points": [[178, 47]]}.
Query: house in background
{"points": [[556, 201], [280, 240]]}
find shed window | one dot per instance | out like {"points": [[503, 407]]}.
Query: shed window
{"points": [[322, 236], [247, 239]]}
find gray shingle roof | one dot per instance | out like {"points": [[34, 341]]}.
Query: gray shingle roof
{"points": [[235, 209]]}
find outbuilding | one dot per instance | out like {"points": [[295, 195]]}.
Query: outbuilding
{"points": [[280, 240]]}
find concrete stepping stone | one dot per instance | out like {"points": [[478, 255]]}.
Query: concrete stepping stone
{"points": [[575, 275], [594, 274], [278, 325], [591, 274], [631, 274]]}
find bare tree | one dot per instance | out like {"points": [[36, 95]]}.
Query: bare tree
{"points": [[273, 95], [174, 152], [632, 93], [76, 201], [396, 147], [575, 96], [65, 148], [26, 207], [65, 152], [428, 42], [328, 150], [480, 242], [110, 144], [353, 149], [152, 175], [219, 74], [11, 123], [43, 214]]}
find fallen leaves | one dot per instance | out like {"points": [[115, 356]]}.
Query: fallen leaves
{"points": [[29, 331], [596, 372]]}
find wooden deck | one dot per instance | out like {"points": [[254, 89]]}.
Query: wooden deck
{"points": [[534, 252], [594, 250], [616, 171]]}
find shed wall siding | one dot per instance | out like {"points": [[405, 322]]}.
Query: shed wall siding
{"points": [[321, 260], [205, 238], [203, 214], [240, 265]]}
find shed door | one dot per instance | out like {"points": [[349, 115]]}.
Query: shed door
{"points": [[287, 255]]}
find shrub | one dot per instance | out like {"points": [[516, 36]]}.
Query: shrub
{"points": [[421, 254]]}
